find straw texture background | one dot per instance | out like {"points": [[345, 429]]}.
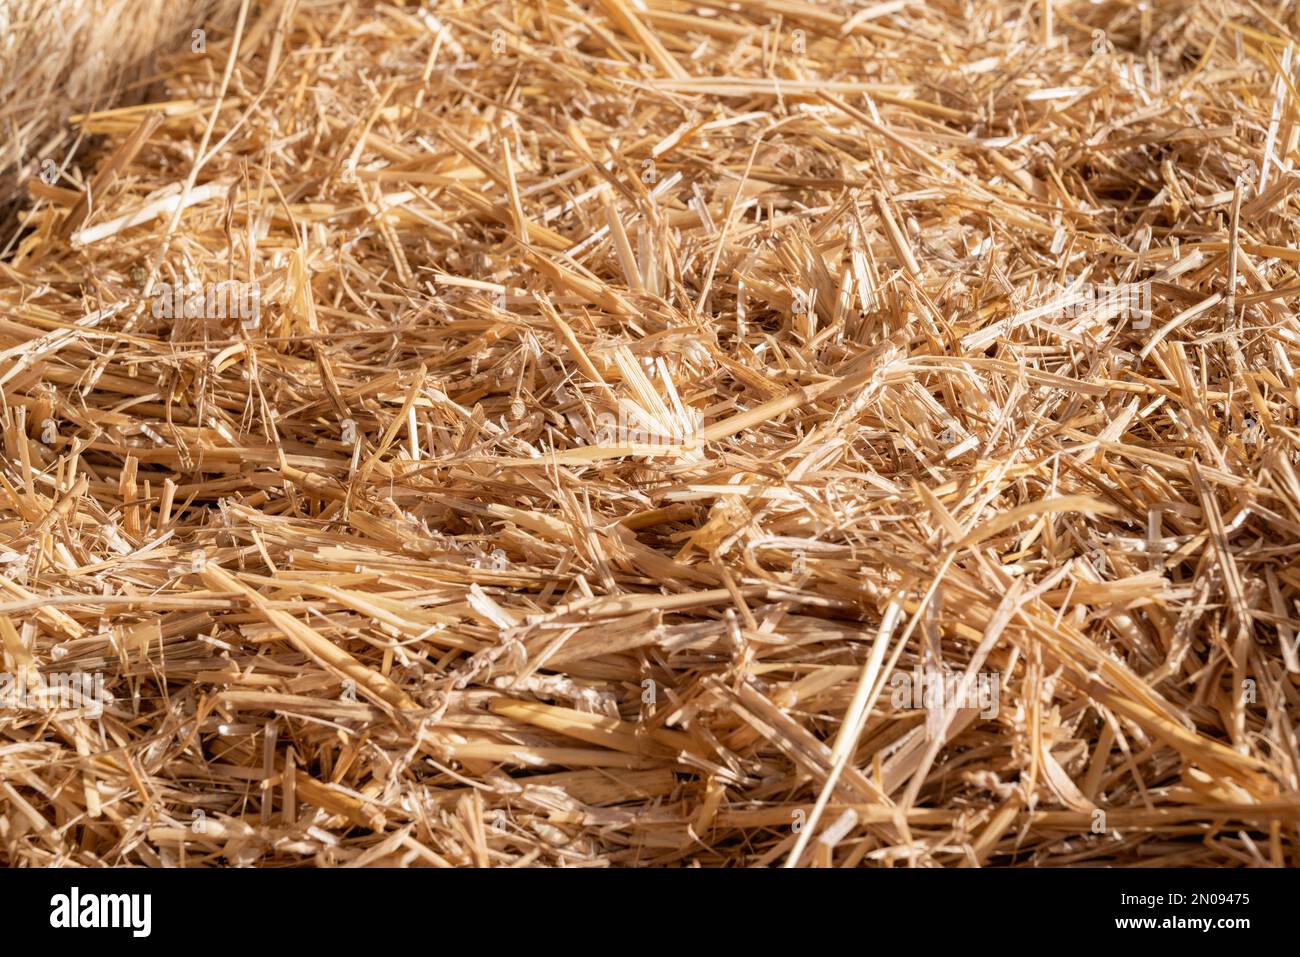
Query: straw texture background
{"points": [[638, 391]]}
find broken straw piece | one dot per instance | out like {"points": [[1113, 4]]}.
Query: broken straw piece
{"points": [[147, 212]]}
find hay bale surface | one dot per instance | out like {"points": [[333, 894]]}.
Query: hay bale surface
{"points": [[58, 57], [573, 433]]}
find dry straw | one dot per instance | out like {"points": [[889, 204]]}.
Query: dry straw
{"points": [[632, 395]]}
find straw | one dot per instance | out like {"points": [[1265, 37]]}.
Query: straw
{"points": [[564, 434]]}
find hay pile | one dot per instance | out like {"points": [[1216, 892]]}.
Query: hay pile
{"points": [[638, 390]]}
